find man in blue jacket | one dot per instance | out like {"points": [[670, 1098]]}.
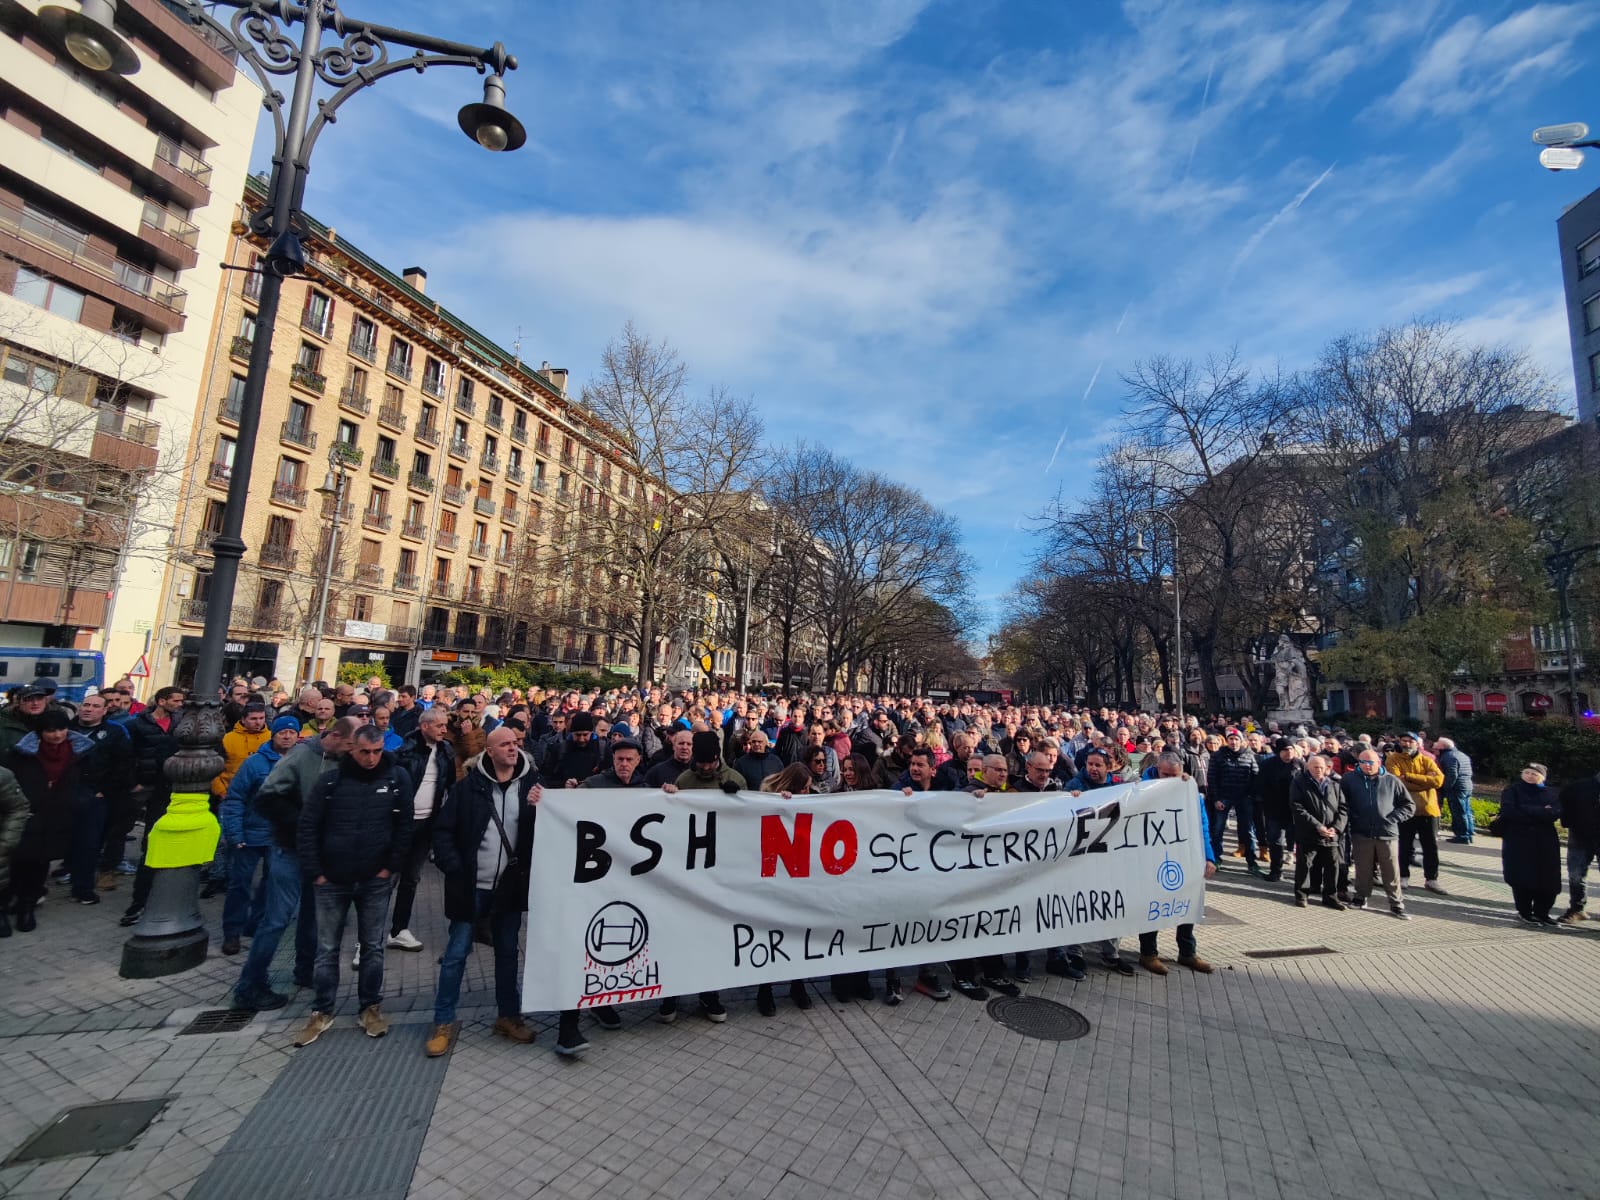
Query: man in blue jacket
{"points": [[1378, 803], [248, 835]]}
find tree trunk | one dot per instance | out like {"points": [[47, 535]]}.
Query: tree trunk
{"points": [[1204, 648]]}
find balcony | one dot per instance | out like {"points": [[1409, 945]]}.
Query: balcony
{"points": [[460, 449], [447, 540], [415, 530], [454, 493], [308, 377], [270, 620], [568, 459], [202, 540], [511, 514], [419, 481], [218, 474], [564, 495], [465, 639], [504, 557], [240, 347], [252, 286], [464, 404], [288, 493], [407, 581], [479, 550], [319, 326], [539, 485], [399, 368], [363, 349], [348, 454], [490, 462], [345, 510], [519, 434], [386, 468], [173, 238], [298, 433], [495, 420], [381, 521], [392, 416], [229, 409], [370, 574], [473, 595], [441, 589], [428, 435], [354, 399], [190, 164], [272, 554], [483, 506], [516, 475], [193, 612]]}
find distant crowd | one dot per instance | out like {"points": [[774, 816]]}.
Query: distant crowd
{"points": [[336, 798]]}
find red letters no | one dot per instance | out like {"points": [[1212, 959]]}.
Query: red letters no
{"points": [[795, 853], [838, 849]]}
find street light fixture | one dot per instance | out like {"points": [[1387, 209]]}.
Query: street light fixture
{"points": [[1561, 145], [1150, 517], [90, 36]]}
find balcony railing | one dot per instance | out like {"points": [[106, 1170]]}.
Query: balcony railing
{"points": [[308, 377], [119, 424], [519, 434], [296, 433], [346, 510], [483, 507], [398, 368], [490, 462], [542, 448], [568, 459], [393, 416], [386, 468], [288, 493], [354, 399], [347, 453], [230, 408], [539, 485], [428, 435], [478, 549], [504, 557], [171, 224], [464, 404], [407, 581], [413, 529], [274, 555], [454, 493], [380, 521], [321, 326], [219, 473], [193, 612], [370, 574], [516, 474], [473, 595], [240, 347], [465, 639], [511, 514], [202, 540], [589, 471], [420, 481], [442, 589], [363, 349], [62, 242], [495, 420], [460, 449], [433, 384], [192, 165], [446, 540]]}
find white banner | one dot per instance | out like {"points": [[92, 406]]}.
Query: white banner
{"points": [[637, 895]]}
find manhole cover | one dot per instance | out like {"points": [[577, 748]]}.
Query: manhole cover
{"points": [[90, 1129], [1290, 952], [219, 1020], [1035, 1017]]}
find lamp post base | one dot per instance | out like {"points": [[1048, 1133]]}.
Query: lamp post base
{"points": [[171, 937]]}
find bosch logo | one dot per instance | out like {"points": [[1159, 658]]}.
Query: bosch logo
{"points": [[616, 934]]}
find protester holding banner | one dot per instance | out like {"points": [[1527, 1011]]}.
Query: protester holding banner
{"points": [[1169, 765]]}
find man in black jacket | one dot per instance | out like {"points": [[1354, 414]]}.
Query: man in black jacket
{"points": [[352, 838], [577, 757], [1278, 774], [1320, 817], [482, 842], [102, 791], [1580, 815], [153, 744], [429, 759], [1231, 779]]}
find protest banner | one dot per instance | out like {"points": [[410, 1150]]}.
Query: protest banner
{"points": [[638, 895]]}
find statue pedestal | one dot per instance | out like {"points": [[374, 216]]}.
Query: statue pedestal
{"points": [[1286, 717]]}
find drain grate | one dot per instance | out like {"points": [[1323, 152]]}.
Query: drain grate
{"points": [[1036, 1017], [219, 1020], [90, 1129], [1290, 952]]}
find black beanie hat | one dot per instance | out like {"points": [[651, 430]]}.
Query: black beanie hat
{"points": [[581, 723], [707, 747]]}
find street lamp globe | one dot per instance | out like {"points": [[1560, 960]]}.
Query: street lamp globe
{"points": [[90, 36], [488, 123]]}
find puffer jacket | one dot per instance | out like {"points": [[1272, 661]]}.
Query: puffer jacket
{"points": [[413, 756], [14, 812], [13, 728], [238, 744], [356, 822], [152, 746], [1457, 770], [1231, 775], [242, 822], [108, 767], [463, 825], [1420, 776]]}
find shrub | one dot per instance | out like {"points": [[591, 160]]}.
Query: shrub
{"points": [[357, 673], [1500, 746]]}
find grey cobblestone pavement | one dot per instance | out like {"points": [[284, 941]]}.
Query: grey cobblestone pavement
{"points": [[1457, 1055]]}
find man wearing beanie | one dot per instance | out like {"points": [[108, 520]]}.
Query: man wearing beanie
{"points": [[576, 758], [706, 768]]}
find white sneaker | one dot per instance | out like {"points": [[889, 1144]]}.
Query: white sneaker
{"points": [[404, 940]]}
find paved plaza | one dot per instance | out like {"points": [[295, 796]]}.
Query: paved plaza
{"points": [[1457, 1055]]}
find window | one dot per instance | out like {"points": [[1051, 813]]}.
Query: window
{"points": [[211, 522], [299, 422], [53, 229], [378, 502], [496, 408], [310, 356], [280, 531], [464, 391], [441, 570], [511, 498], [519, 422], [27, 558], [460, 432], [349, 433], [44, 292], [514, 458], [387, 450], [361, 607], [290, 472], [430, 417], [447, 520], [433, 376], [233, 403], [357, 386], [400, 357], [421, 463], [1589, 256], [31, 372], [1594, 372], [452, 476], [1591, 313], [483, 490], [222, 454], [416, 512], [408, 562], [491, 446], [318, 317], [269, 597], [394, 397], [399, 615], [364, 338]]}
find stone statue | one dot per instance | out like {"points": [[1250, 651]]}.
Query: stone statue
{"points": [[1290, 682]]}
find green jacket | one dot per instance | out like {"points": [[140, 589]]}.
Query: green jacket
{"points": [[14, 813], [13, 728], [689, 781]]}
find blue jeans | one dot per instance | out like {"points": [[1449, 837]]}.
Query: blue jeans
{"points": [[371, 898], [1460, 816], [503, 928], [88, 831], [241, 912], [283, 887], [1581, 855], [1244, 809]]}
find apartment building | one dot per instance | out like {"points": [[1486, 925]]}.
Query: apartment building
{"points": [[1578, 234], [451, 470], [117, 194]]}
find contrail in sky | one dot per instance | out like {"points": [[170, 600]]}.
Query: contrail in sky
{"points": [[1255, 238], [1060, 441]]}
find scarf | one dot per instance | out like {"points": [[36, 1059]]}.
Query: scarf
{"points": [[54, 760]]}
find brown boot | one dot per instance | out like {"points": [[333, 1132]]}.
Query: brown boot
{"points": [[106, 881], [513, 1029], [1195, 963], [1153, 964], [442, 1038]]}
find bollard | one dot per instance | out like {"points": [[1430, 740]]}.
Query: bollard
{"points": [[171, 936]]}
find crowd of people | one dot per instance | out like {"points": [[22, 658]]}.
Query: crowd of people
{"points": [[338, 798]]}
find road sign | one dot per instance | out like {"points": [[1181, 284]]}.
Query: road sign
{"points": [[141, 669]]}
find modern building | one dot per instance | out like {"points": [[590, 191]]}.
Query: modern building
{"points": [[451, 469], [117, 193], [1578, 232]]}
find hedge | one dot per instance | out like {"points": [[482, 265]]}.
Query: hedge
{"points": [[1500, 746], [527, 675]]}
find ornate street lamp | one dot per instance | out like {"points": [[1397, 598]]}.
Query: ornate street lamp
{"points": [[362, 55]]}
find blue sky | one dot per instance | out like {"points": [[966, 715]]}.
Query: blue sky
{"points": [[931, 235]]}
